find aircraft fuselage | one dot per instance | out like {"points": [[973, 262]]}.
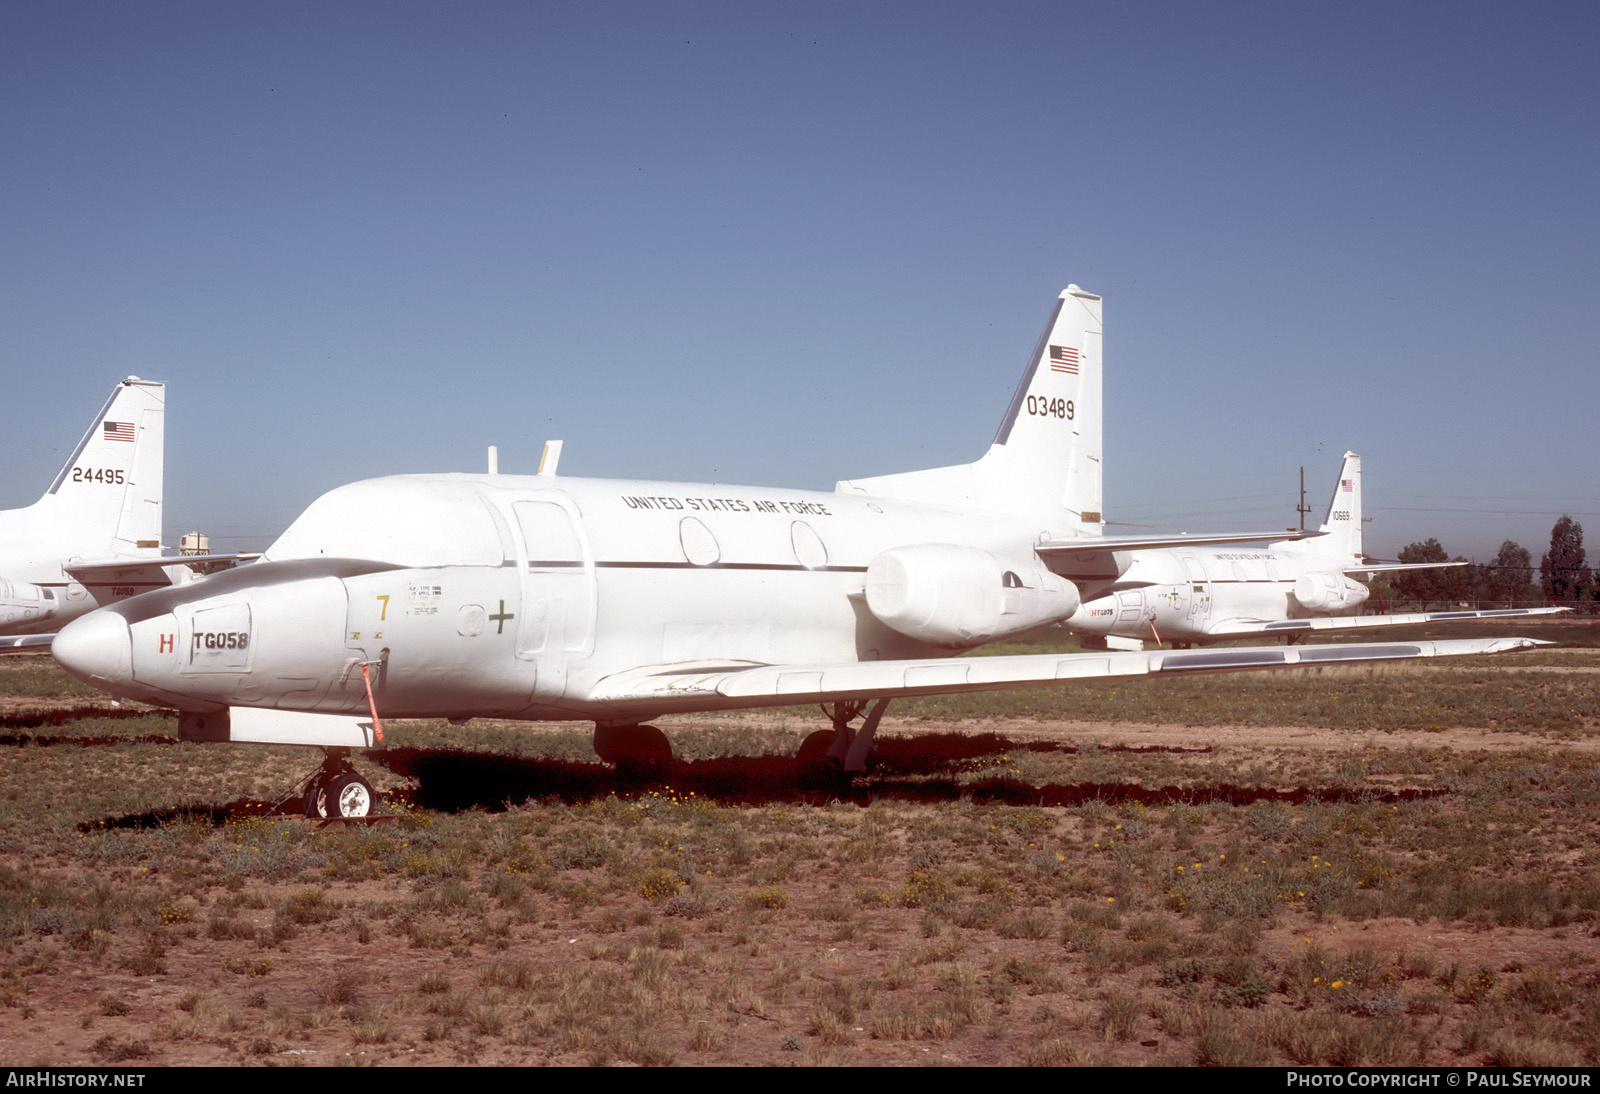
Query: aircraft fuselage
{"points": [[484, 595], [1183, 596]]}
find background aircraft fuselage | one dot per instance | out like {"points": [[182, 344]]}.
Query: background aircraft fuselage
{"points": [[1182, 596]]}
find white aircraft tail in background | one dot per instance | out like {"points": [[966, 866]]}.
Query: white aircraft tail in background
{"points": [[1341, 528], [79, 546], [1289, 588]]}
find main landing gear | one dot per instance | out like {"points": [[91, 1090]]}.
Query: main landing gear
{"points": [[636, 750], [841, 748], [337, 789]]}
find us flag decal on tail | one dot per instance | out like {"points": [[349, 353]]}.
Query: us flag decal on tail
{"points": [[1064, 359], [119, 431]]}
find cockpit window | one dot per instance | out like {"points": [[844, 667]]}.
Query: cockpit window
{"points": [[549, 535], [410, 522]]}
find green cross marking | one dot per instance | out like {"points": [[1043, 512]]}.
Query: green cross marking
{"points": [[500, 620]]}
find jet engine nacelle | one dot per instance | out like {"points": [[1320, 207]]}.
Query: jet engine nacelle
{"points": [[21, 602], [948, 595], [1329, 593]]}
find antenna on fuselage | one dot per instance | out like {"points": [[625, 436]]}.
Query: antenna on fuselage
{"points": [[551, 457], [494, 460]]}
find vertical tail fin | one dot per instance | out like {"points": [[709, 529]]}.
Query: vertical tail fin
{"points": [[107, 498], [1343, 523], [1045, 458]]}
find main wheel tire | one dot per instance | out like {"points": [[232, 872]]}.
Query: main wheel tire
{"points": [[637, 751], [814, 749], [814, 769]]}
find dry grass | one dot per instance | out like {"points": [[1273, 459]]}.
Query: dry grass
{"points": [[1210, 902]]}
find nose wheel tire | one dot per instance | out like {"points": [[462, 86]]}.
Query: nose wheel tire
{"points": [[345, 795]]}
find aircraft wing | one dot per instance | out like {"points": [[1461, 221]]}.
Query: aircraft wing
{"points": [[22, 643], [1390, 567], [1244, 628], [773, 685], [1062, 548]]}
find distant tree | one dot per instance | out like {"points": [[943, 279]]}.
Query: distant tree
{"points": [[1445, 582], [1562, 574], [1457, 583], [1510, 574]]}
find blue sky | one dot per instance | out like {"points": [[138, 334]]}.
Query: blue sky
{"points": [[791, 244]]}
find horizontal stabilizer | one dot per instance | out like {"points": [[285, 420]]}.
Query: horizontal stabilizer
{"points": [[1243, 628], [1060, 548], [151, 569], [776, 685], [1393, 566]]}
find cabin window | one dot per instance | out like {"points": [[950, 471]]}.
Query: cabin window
{"points": [[700, 547], [809, 550]]}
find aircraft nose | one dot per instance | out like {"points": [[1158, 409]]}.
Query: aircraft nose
{"points": [[97, 649]]}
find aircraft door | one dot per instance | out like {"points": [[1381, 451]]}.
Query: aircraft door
{"points": [[558, 589], [1200, 592], [1130, 608]]}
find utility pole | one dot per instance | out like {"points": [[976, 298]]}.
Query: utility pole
{"points": [[1303, 508]]}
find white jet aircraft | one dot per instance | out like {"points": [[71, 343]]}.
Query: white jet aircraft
{"points": [[88, 541], [1290, 588], [547, 597]]}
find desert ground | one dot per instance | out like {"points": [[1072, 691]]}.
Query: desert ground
{"points": [[1377, 866]]}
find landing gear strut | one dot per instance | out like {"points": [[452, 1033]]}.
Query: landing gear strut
{"points": [[337, 789], [841, 745]]}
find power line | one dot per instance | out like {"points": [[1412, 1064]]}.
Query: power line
{"points": [[1492, 512]]}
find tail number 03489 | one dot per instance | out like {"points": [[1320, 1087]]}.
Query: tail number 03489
{"points": [[1040, 407]]}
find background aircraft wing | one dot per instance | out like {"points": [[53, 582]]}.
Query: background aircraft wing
{"points": [[1243, 628], [771, 685], [22, 643], [1061, 548]]}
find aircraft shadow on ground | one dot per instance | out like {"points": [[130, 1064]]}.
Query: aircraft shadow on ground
{"points": [[38, 719], [921, 769]]}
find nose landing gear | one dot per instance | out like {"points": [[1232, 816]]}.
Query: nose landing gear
{"points": [[337, 789]]}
